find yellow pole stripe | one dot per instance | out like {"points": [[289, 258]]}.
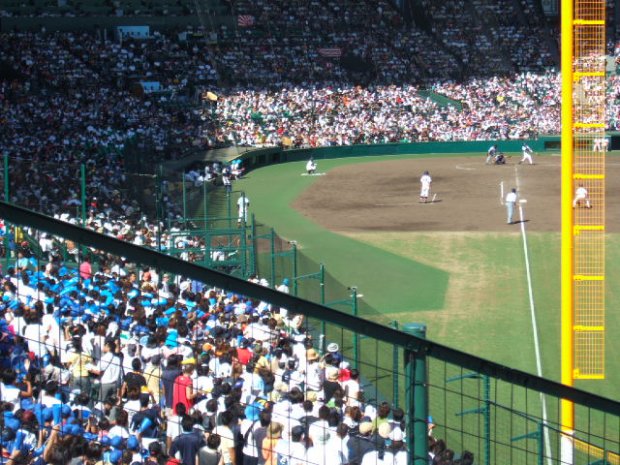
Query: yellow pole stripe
{"points": [[589, 22], [578, 376], [581, 277], [589, 125], [577, 229], [589, 176], [589, 328], [580, 74]]}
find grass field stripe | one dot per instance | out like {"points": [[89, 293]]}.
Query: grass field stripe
{"points": [[528, 274]]}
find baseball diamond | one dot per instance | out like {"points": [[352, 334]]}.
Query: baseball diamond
{"points": [[383, 195]]}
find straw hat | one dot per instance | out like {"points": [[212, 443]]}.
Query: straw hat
{"points": [[312, 355]]}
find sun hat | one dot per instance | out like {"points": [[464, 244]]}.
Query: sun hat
{"points": [[312, 354]]}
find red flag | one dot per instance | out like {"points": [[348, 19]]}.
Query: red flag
{"points": [[245, 20]]}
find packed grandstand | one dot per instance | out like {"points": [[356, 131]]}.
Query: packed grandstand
{"points": [[116, 364]]}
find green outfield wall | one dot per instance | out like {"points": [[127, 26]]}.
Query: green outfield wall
{"points": [[268, 156]]}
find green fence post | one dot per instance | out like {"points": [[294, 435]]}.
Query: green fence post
{"points": [[229, 210], [7, 226], [356, 339], [254, 261], [538, 436], [322, 286], [82, 206], [395, 368], [486, 415], [158, 205], [244, 250], [295, 280], [273, 258], [417, 399], [204, 204], [184, 200], [485, 411], [83, 189], [541, 443]]}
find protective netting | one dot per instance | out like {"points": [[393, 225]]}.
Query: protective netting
{"points": [[590, 148]]}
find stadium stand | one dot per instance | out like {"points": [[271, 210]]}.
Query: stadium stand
{"points": [[73, 97]]}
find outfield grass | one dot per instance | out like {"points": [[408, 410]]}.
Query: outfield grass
{"points": [[469, 289], [387, 280]]}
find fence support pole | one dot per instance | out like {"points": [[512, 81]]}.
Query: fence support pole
{"points": [[83, 189], [295, 280], [159, 213], [395, 368], [254, 260], [322, 286], [184, 201], [244, 249], [82, 206], [417, 399], [7, 226], [486, 415], [204, 204], [356, 339], [273, 258]]}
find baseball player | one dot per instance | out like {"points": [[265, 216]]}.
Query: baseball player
{"points": [[242, 204], [600, 144], [425, 186], [511, 200], [311, 166], [527, 154], [581, 196], [491, 154]]}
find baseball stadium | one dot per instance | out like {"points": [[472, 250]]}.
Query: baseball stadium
{"points": [[309, 232]]}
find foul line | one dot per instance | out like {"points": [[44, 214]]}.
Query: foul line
{"points": [[534, 324]]}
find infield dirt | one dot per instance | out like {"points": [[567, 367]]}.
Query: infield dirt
{"points": [[384, 196]]}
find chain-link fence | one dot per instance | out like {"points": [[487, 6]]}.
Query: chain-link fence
{"points": [[447, 404]]}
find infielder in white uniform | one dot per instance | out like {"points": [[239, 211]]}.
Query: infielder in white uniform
{"points": [[581, 196], [242, 204], [311, 167], [527, 154], [425, 183]]}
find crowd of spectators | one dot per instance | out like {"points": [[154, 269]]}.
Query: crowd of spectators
{"points": [[127, 365], [519, 107], [101, 366], [492, 37]]}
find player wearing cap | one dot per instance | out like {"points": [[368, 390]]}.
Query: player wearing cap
{"points": [[311, 166], [581, 196], [425, 186], [511, 200], [527, 153]]}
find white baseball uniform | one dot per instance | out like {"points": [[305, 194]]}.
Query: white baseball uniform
{"points": [[527, 154], [425, 181]]}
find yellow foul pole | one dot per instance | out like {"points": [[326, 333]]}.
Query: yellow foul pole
{"points": [[567, 408]]}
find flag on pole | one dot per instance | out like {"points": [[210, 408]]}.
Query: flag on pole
{"points": [[245, 20], [332, 52]]}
